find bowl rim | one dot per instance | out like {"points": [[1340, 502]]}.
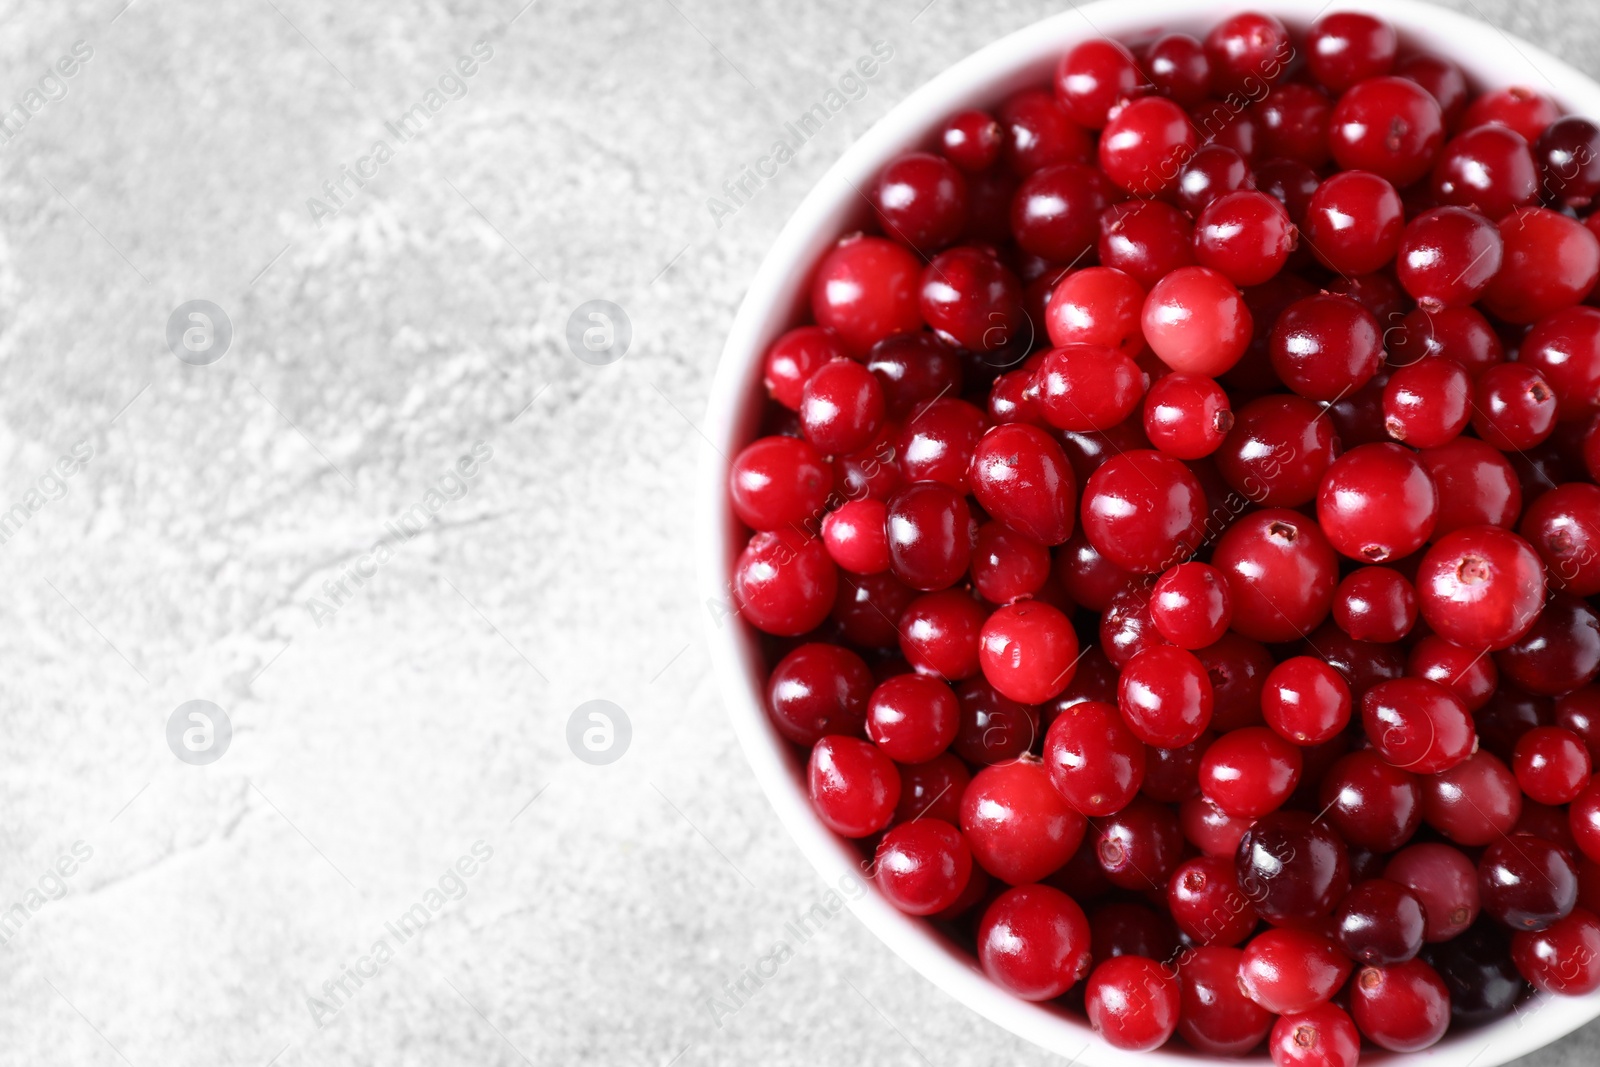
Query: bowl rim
{"points": [[1489, 56]]}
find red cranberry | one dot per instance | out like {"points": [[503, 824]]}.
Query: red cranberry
{"points": [[1381, 923], [1347, 47], [819, 689], [1447, 257], [1306, 701], [1250, 772], [1027, 651], [1216, 1017], [1034, 941], [937, 443], [1550, 263], [866, 289], [1056, 211], [1325, 346], [921, 201], [1552, 764], [1037, 133], [1094, 760], [1196, 321], [1524, 110], [1565, 349], [1248, 52], [1389, 126], [1020, 829], [1474, 802], [854, 786], [855, 538], [939, 633], [1403, 1008], [1488, 169], [1145, 144], [1133, 1003], [1281, 574], [1088, 387], [1470, 675], [1165, 696], [1246, 236], [1354, 222], [1417, 725], [1477, 486], [1177, 65], [1377, 503], [1563, 525], [1143, 511], [1213, 171], [778, 482], [922, 866], [1375, 604], [1325, 1036], [1442, 79], [841, 407], [971, 300], [784, 583], [794, 357], [1513, 407], [1372, 804], [1146, 239], [932, 790], [1021, 477], [994, 728], [1446, 882], [1289, 971], [1480, 587], [1459, 334], [1007, 565], [1140, 846], [1190, 605], [1093, 78], [1278, 450], [972, 140], [913, 718], [1428, 403], [1186, 416], [1563, 958]]}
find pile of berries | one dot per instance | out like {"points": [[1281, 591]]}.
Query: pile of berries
{"points": [[1178, 540]]}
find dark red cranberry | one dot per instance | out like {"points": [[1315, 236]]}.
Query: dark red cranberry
{"points": [[1560, 651], [971, 300], [1037, 133], [1381, 923], [1470, 675], [994, 728], [1442, 79], [1347, 47], [1294, 124], [1238, 667], [1127, 929], [913, 368], [1292, 868], [1564, 958], [1477, 970], [1477, 486], [1007, 565], [1176, 63], [1146, 239], [921, 200], [1552, 764], [1145, 144], [913, 718], [1093, 78], [1527, 883], [972, 140], [1375, 604], [1325, 346], [819, 689], [868, 607], [1568, 154], [1447, 257], [1143, 511], [1446, 882], [1459, 334], [1278, 451], [1140, 846], [1216, 1016], [932, 790], [1513, 407], [1213, 171], [1056, 212], [1389, 126], [1354, 222], [1474, 802]]}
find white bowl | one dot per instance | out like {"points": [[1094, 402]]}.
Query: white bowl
{"points": [[777, 299]]}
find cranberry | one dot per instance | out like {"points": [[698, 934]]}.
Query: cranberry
{"points": [[819, 689], [1527, 883], [1372, 804], [841, 407], [1216, 1017], [1126, 628], [922, 866], [1428, 403], [932, 790], [854, 535], [1020, 829], [1565, 349], [1281, 574], [1190, 605], [1034, 941], [1165, 696], [1377, 503], [1568, 153], [1007, 565], [1145, 144], [1096, 306], [1584, 815], [1196, 321], [1473, 802], [1186, 416], [994, 728], [1477, 487], [1250, 772], [1354, 222], [1447, 257], [930, 540], [1550, 263], [1523, 110], [1325, 346], [971, 300], [1094, 760], [1172, 775], [1021, 476], [972, 140], [1552, 764], [1294, 124], [866, 289], [794, 357], [784, 583], [1513, 407], [921, 200], [1237, 667], [1404, 1007], [1325, 1036], [1086, 576], [1293, 868], [1563, 958], [1133, 1003], [1488, 169], [1027, 651], [1417, 725], [1088, 387], [1056, 211], [1278, 450], [1480, 587], [1247, 53], [1213, 171], [1560, 652], [867, 608], [854, 785], [1443, 80], [1477, 970], [1347, 47], [1381, 923], [1446, 882], [937, 443], [1459, 334], [1143, 511], [1037, 133], [1289, 971], [1140, 846], [777, 482], [939, 633], [913, 718], [1246, 236], [1146, 239], [1093, 78], [1306, 701], [1126, 929], [1177, 65]]}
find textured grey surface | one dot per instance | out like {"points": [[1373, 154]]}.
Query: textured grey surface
{"points": [[374, 747]]}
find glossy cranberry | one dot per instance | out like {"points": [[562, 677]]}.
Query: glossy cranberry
{"points": [[1470, 675], [1560, 651], [1126, 628], [1204, 899], [1172, 775], [867, 607], [1237, 667], [1325, 1036], [855, 538], [1477, 970], [1057, 209], [1289, 971], [1146, 239], [1293, 868], [921, 201], [1568, 154], [1480, 587], [1428, 403], [1021, 476], [971, 300], [1250, 772], [794, 357], [1292, 182], [1417, 725], [1128, 929], [1145, 144], [1085, 387], [1196, 321], [1442, 79], [1459, 334], [854, 786], [1244, 235], [1165, 696], [1248, 52], [1007, 565], [913, 718], [1584, 816], [784, 583], [1019, 828], [1177, 65], [1293, 120], [1132, 1003], [1524, 110], [1564, 958], [932, 790], [1325, 346], [1213, 171], [1281, 574], [972, 140], [1447, 257], [1216, 1017], [930, 540], [1096, 306], [1474, 802], [922, 866], [1375, 604], [1027, 651], [1488, 169], [1186, 416], [1033, 941], [1446, 882], [1094, 760], [1565, 348], [1347, 47], [1389, 126], [1093, 78], [1579, 711], [816, 690], [1305, 701], [1403, 1008], [1143, 511], [994, 728], [1377, 503], [841, 407], [1527, 883], [1381, 923], [778, 482], [1210, 829], [1140, 846], [1037, 133], [1086, 576], [1550, 263], [1354, 222], [937, 442], [1477, 486], [913, 369], [1190, 605], [1278, 451], [1552, 764], [866, 289], [939, 633], [1513, 407]]}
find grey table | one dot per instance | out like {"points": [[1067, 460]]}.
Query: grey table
{"points": [[396, 534]]}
